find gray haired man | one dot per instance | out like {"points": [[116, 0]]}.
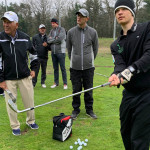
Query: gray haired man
{"points": [[14, 47]]}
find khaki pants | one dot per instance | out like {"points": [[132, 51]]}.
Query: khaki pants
{"points": [[26, 89]]}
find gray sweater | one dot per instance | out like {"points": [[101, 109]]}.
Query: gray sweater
{"points": [[82, 45], [58, 40]]}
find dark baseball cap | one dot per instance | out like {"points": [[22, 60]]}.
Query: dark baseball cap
{"points": [[84, 12]]}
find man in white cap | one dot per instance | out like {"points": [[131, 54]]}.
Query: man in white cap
{"points": [[14, 71], [40, 43], [82, 45], [131, 53]]}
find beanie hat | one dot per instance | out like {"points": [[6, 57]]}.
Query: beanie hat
{"points": [[54, 20], [129, 4]]}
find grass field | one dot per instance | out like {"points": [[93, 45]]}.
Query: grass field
{"points": [[103, 133]]}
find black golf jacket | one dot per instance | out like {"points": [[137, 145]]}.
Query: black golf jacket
{"points": [[14, 57], [38, 41], [134, 50]]}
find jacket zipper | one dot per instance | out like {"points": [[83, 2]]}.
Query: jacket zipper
{"points": [[82, 41], [16, 61], [11, 47]]}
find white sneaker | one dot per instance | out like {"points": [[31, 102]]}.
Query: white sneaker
{"points": [[53, 86], [65, 87], [43, 86]]}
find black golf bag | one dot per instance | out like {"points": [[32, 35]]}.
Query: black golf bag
{"points": [[62, 127]]}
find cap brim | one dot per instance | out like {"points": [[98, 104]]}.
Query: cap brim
{"points": [[10, 19], [80, 13]]}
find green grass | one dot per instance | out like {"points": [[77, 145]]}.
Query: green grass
{"points": [[103, 133]]}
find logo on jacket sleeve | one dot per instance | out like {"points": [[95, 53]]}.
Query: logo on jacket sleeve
{"points": [[120, 49]]}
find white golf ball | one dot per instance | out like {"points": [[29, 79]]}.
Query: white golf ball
{"points": [[78, 140], [75, 143], [85, 144], [71, 147], [80, 143], [79, 148], [86, 140]]}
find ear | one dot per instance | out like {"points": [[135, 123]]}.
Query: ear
{"points": [[17, 25], [87, 18]]}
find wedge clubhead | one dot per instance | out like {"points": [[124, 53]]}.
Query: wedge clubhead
{"points": [[12, 105]]}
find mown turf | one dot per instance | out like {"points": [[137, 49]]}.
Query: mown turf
{"points": [[103, 133]]}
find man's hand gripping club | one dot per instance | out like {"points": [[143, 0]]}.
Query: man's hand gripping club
{"points": [[123, 77]]}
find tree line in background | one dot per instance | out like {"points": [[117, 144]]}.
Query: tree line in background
{"points": [[32, 13]]}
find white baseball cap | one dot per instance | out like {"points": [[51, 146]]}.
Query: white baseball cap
{"points": [[11, 16], [42, 26]]}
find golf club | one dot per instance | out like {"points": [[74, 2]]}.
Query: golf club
{"points": [[11, 95], [102, 75], [14, 107]]}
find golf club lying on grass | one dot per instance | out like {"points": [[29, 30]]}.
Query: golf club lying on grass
{"points": [[14, 107], [11, 95]]}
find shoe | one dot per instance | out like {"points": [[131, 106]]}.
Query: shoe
{"points": [[91, 114], [16, 132], [65, 87], [33, 126], [43, 86], [74, 115], [53, 86]]}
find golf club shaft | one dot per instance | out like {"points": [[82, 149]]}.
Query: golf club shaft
{"points": [[105, 84], [102, 75]]}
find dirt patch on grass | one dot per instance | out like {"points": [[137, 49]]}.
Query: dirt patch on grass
{"points": [[104, 50], [104, 66]]}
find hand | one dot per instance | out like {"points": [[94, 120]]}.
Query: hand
{"points": [[32, 74], [44, 44], [114, 79], [3, 85]]}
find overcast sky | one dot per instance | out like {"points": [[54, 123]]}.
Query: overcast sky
{"points": [[11, 1]]}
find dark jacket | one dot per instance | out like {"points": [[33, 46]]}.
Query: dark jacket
{"points": [[82, 45], [37, 41], [134, 50], [14, 57]]}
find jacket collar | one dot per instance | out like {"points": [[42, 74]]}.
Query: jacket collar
{"points": [[86, 27], [9, 37], [133, 28]]}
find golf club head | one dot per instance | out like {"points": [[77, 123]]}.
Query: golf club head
{"points": [[12, 105]]}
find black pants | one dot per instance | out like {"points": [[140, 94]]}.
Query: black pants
{"points": [[59, 59], [135, 120], [83, 78], [43, 64]]}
